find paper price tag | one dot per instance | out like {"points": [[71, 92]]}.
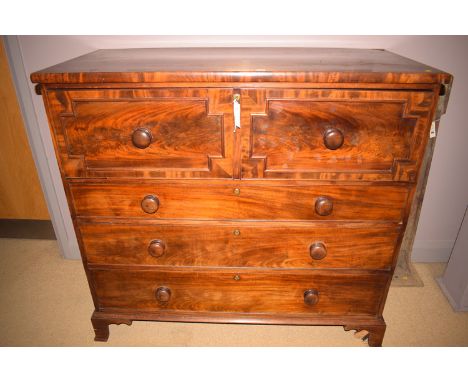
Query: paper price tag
{"points": [[432, 132], [236, 104]]}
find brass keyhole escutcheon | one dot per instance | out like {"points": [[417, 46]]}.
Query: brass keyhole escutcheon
{"points": [[236, 277], [236, 232], [236, 191]]}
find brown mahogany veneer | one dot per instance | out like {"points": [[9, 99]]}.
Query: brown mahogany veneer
{"points": [[297, 65], [293, 216], [251, 291], [216, 244], [199, 200], [335, 134], [165, 133]]}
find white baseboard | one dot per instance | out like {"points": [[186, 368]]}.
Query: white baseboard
{"points": [[455, 305], [432, 251]]}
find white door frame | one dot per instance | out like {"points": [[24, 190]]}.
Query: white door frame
{"points": [[41, 145]]}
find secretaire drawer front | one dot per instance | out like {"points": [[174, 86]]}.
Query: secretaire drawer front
{"points": [[239, 201], [335, 134], [155, 133], [307, 292], [223, 244]]}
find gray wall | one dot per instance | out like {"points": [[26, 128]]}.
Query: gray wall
{"points": [[447, 190], [454, 282]]}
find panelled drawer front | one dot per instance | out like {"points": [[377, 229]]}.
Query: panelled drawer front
{"points": [[242, 291], [234, 201], [240, 245], [334, 134], [144, 133]]}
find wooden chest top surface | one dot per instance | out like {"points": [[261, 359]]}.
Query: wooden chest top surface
{"points": [[320, 65]]}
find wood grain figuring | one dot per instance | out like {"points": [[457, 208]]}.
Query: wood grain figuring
{"points": [[383, 134], [296, 217], [380, 144], [189, 132], [259, 291], [321, 65], [21, 194], [214, 244], [102, 131], [205, 201]]}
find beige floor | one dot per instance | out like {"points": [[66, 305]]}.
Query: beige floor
{"points": [[44, 301]]}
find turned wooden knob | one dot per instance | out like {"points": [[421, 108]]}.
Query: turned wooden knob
{"points": [[311, 297], [150, 204], [163, 294], [157, 248], [141, 138], [333, 138], [318, 251], [323, 206]]}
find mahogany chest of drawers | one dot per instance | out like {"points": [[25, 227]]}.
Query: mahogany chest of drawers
{"points": [[268, 186]]}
